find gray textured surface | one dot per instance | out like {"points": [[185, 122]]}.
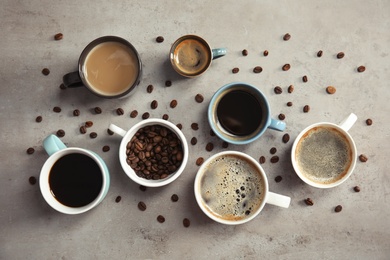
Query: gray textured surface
{"points": [[30, 229]]}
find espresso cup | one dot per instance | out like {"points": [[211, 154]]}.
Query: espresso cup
{"points": [[324, 154], [109, 67], [232, 188], [72, 180], [191, 55], [239, 113]]}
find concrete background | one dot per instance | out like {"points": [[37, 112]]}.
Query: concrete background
{"points": [[30, 229]]}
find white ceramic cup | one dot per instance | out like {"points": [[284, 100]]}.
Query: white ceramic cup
{"points": [[342, 128], [127, 135], [267, 196], [56, 149]]}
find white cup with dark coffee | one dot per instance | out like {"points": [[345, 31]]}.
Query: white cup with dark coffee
{"points": [[232, 188], [324, 154]]}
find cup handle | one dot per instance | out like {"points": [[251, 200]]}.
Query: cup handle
{"points": [[277, 125], [347, 123], [117, 130], [72, 80], [53, 144], [278, 200], [218, 53]]}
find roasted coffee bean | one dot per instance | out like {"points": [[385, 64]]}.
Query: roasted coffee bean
{"points": [[165, 117], [286, 138], [289, 104], [93, 135], [110, 132], [160, 219], [83, 130], [235, 70], [212, 132], [149, 88], [118, 199], [209, 147], [168, 83], [186, 222], [45, 71], [278, 90], [76, 112], [274, 159], [106, 148], [265, 53], [286, 37], [62, 86], [309, 202], [338, 208], [273, 150], [262, 160], [60, 133], [57, 109], [340, 55], [134, 114], [30, 150], [199, 98], [306, 108], [88, 124], [194, 141], [330, 90], [58, 36], [225, 144], [180, 126], [142, 188], [174, 198], [356, 189], [159, 39], [257, 69], [361, 69], [244, 52], [145, 115], [32, 180], [282, 116], [98, 110], [195, 126], [304, 78], [319, 53], [278, 178], [290, 89], [286, 67], [369, 121], [199, 161], [141, 206], [120, 111], [363, 158], [38, 119], [173, 103], [154, 104]]}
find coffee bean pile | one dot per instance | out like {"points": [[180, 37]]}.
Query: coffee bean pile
{"points": [[154, 152]]}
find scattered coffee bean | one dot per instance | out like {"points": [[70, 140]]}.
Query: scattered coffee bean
{"points": [[338, 208], [186, 222], [32, 180], [195, 126], [289, 104], [134, 114], [83, 130], [290, 89], [30, 150], [110, 132], [141, 206], [120, 111], [309, 202], [106, 148], [168, 83], [199, 161], [282, 116], [212, 132], [98, 110], [356, 189], [363, 158], [262, 160], [145, 115], [304, 78], [369, 121], [142, 188], [257, 69], [160, 219], [265, 53], [286, 138], [209, 147], [45, 71], [273, 150], [58, 36], [235, 70], [278, 178], [319, 53], [286, 37], [180, 126], [165, 117], [159, 39], [174, 198], [88, 124], [330, 90], [274, 159], [361, 69], [199, 98], [149, 88], [306, 109], [76, 112], [245, 52], [286, 67], [194, 141], [173, 103], [225, 144], [278, 90], [154, 104], [60, 133], [93, 135], [62, 86], [118, 199], [38, 119], [340, 55], [57, 109]]}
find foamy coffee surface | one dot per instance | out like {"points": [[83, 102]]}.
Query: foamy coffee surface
{"points": [[191, 56], [324, 155], [232, 188]]}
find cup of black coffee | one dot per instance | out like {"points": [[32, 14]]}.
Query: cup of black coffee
{"points": [[239, 113], [72, 180]]}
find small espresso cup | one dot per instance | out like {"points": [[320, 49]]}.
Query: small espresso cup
{"points": [[191, 55], [324, 154], [72, 180], [239, 113], [232, 188], [109, 67]]}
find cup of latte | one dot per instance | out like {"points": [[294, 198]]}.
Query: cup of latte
{"points": [[109, 67], [232, 188], [191, 55], [324, 154]]}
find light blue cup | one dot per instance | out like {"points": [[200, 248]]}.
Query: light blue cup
{"points": [[56, 149], [266, 120]]}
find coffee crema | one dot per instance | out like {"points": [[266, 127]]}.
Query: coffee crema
{"points": [[231, 187], [111, 68], [323, 155]]}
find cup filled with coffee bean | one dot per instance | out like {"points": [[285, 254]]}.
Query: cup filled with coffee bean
{"points": [[191, 55], [232, 188], [239, 113], [324, 154], [153, 153], [72, 180], [109, 67]]}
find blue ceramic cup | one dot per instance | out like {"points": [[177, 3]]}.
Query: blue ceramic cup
{"points": [[57, 151], [239, 113]]}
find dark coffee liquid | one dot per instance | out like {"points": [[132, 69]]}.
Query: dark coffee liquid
{"points": [[75, 180], [239, 113]]}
